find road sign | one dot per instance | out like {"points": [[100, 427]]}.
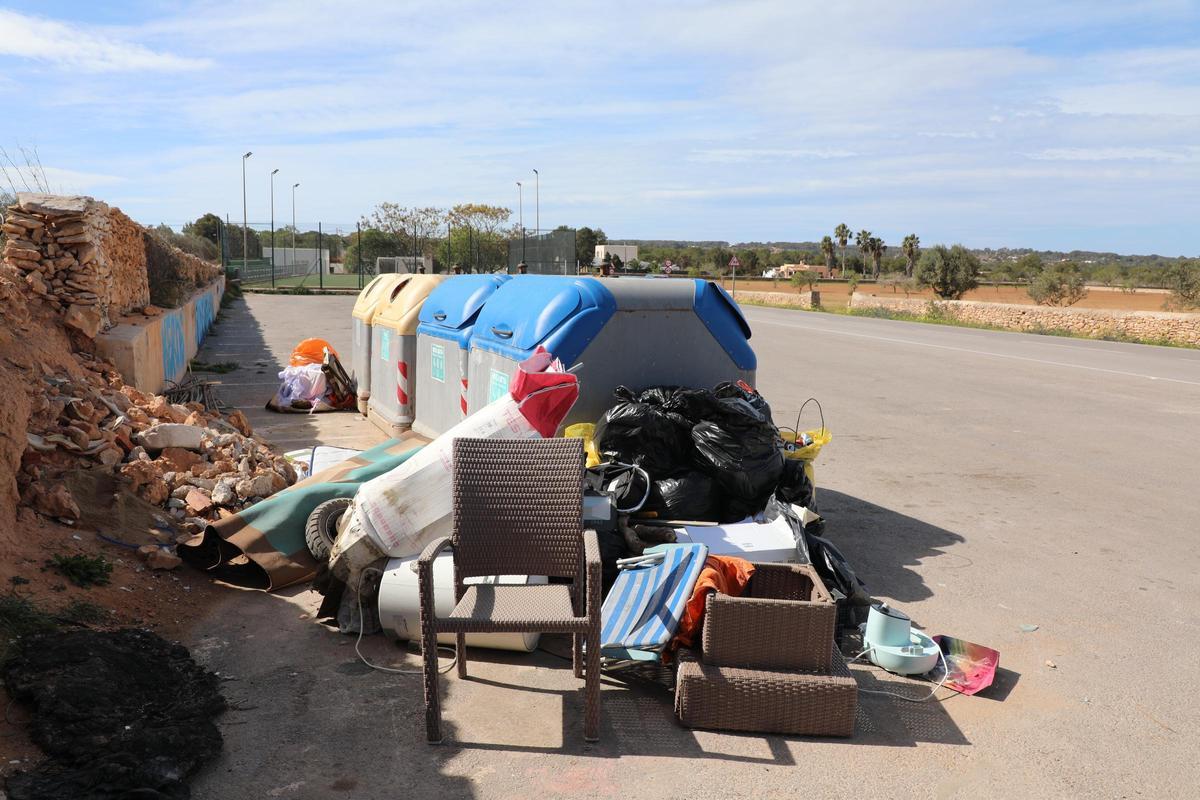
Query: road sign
{"points": [[733, 262]]}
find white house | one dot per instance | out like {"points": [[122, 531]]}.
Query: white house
{"points": [[626, 252]]}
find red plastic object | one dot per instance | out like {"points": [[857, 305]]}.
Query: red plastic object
{"points": [[311, 351]]}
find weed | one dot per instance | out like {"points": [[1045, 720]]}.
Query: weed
{"points": [[81, 612], [20, 616], [82, 570]]}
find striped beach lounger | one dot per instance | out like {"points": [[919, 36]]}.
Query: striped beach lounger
{"points": [[644, 606]]}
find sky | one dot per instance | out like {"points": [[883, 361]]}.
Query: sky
{"points": [[1056, 125]]}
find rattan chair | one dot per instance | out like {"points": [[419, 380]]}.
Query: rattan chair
{"points": [[518, 510]]}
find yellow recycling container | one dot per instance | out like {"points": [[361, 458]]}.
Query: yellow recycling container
{"points": [[374, 296], [392, 404]]}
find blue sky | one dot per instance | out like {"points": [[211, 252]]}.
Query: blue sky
{"points": [[1049, 124]]}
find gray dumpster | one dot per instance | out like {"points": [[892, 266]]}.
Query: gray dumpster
{"points": [[374, 296], [634, 332], [393, 355]]}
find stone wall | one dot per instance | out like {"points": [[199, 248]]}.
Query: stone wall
{"points": [[796, 299], [1094, 322], [89, 261]]}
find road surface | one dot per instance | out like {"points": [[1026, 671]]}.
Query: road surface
{"points": [[980, 481]]}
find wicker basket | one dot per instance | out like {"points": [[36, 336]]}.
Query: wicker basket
{"points": [[805, 703], [785, 620]]}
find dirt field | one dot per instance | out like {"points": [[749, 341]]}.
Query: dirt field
{"points": [[836, 295]]}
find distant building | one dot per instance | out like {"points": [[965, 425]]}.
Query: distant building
{"points": [[299, 259], [786, 271], [626, 252], [403, 264]]}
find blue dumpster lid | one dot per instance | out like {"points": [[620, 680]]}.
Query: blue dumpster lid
{"points": [[724, 320], [561, 313], [451, 309]]}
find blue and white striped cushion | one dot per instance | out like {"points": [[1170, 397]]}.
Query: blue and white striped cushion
{"points": [[643, 609]]}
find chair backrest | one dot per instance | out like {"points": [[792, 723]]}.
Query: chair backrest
{"points": [[518, 507]]}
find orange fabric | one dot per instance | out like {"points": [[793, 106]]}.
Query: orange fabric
{"points": [[310, 351], [724, 574]]}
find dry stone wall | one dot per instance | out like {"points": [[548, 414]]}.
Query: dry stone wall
{"points": [[796, 299], [88, 261], [1094, 322]]}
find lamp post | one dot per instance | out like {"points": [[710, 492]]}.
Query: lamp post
{"points": [[273, 227], [245, 222], [521, 217], [537, 203], [294, 185]]}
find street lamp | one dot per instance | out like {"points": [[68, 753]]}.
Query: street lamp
{"points": [[273, 227], [245, 222], [294, 185], [521, 212], [537, 203]]}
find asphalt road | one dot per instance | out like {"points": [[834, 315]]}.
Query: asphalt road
{"points": [[980, 481]]}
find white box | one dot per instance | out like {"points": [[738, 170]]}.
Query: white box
{"points": [[768, 542]]}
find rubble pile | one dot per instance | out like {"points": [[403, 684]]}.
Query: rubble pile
{"points": [[87, 260], [195, 463]]}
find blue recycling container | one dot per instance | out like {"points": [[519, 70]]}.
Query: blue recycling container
{"points": [[446, 322], [634, 332]]}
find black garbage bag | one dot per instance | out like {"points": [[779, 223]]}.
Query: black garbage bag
{"points": [[839, 577], [746, 396], [740, 450], [691, 495], [794, 485], [642, 430]]}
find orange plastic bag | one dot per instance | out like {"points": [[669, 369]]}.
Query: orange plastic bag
{"points": [[311, 351]]}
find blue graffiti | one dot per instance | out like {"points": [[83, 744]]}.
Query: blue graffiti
{"points": [[174, 354], [204, 316]]}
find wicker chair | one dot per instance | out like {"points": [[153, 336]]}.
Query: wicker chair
{"points": [[518, 510]]}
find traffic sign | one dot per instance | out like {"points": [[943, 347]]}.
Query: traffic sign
{"points": [[733, 262]]}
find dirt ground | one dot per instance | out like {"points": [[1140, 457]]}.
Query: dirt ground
{"points": [[835, 294]]}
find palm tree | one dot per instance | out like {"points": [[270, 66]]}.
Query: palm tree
{"points": [[877, 248], [827, 250], [862, 240], [842, 234], [911, 246]]}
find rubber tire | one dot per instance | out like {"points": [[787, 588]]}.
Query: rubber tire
{"points": [[321, 528]]}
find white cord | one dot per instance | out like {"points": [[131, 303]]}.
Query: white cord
{"points": [[393, 670], [945, 673]]}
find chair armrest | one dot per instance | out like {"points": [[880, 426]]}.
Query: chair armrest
{"points": [[591, 559], [425, 574]]}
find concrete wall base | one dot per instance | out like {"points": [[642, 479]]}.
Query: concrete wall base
{"points": [[151, 351]]}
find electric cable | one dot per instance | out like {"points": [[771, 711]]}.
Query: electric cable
{"points": [[394, 670], [945, 674]]}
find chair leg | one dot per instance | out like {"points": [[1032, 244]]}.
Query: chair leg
{"points": [[591, 710], [577, 654], [460, 650], [433, 705]]}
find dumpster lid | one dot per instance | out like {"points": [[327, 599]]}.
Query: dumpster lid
{"points": [[455, 304], [404, 301], [375, 295], [561, 313], [725, 321]]}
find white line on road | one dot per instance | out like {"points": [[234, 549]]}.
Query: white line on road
{"points": [[819, 329]]}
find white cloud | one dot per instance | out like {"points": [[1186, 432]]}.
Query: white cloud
{"points": [[73, 47], [1183, 155], [738, 155]]}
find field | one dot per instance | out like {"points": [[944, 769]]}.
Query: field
{"points": [[835, 294]]}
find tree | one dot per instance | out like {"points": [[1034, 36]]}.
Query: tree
{"points": [[842, 234], [586, 240], [862, 240], [616, 262], [951, 273], [1107, 275], [415, 226], [1028, 267], [911, 247], [827, 250], [371, 244], [1183, 279], [876, 248], [1062, 285], [206, 227]]}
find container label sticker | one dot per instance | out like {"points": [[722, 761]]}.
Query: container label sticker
{"points": [[437, 362], [497, 386], [385, 345]]}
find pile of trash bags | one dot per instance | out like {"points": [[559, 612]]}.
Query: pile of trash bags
{"points": [[712, 455], [313, 380]]}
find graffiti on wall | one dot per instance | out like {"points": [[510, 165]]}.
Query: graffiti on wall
{"points": [[174, 351], [204, 316]]}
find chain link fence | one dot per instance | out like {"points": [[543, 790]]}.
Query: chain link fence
{"points": [[549, 253]]}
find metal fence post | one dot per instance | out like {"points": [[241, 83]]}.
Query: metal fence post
{"points": [[358, 255], [320, 261]]}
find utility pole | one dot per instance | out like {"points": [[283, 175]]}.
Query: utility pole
{"points": [[245, 223], [294, 185], [537, 203], [273, 227]]}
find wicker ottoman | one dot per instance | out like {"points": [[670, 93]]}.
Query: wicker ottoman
{"points": [[800, 702]]}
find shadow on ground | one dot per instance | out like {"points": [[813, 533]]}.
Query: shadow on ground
{"points": [[882, 545]]}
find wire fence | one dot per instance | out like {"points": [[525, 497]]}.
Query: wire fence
{"points": [[549, 253]]}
